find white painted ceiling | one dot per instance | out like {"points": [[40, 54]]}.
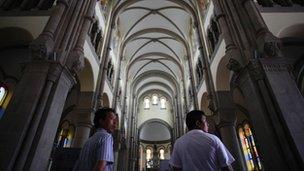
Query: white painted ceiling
{"points": [[154, 131], [151, 33], [154, 41]]}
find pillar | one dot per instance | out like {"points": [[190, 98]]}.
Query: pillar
{"points": [[84, 126], [264, 91], [288, 106], [226, 120], [27, 130]]}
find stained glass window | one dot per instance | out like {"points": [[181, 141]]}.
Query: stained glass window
{"points": [[3, 95], [250, 152], [163, 103], [66, 135], [147, 103]]}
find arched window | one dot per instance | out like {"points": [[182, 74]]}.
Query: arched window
{"points": [[154, 99], [163, 103], [162, 154], [299, 74], [250, 152], [66, 135], [148, 154], [147, 103], [3, 95]]}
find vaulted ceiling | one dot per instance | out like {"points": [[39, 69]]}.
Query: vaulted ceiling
{"points": [[154, 44]]}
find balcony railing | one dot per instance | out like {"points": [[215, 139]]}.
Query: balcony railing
{"points": [[24, 5]]}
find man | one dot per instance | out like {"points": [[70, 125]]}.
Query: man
{"points": [[198, 150], [97, 152]]}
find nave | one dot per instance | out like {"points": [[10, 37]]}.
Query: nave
{"points": [[241, 62]]}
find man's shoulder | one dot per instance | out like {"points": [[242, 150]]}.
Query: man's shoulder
{"points": [[105, 135], [212, 137], [102, 132]]}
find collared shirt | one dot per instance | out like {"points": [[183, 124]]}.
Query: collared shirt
{"points": [[198, 150], [98, 147]]}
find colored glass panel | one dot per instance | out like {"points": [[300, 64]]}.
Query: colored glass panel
{"points": [[3, 93], [66, 135], [250, 152]]}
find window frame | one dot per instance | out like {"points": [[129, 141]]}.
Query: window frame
{"points": [[251, 154], [147, 104], [5, 94], [165, 103]]}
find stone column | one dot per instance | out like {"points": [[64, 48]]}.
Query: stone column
{"points": [[28, 129], [226, 120], [104, 55], [289, 108], [83, 116], [84, 126], [273, 143]]}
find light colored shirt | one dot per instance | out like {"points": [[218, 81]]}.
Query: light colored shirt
{"points": [[98, 147], [198, 150]]}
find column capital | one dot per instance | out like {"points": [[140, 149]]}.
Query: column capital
{"points": [[75, 60], [234, 65], [85, 124], [225, 116], [255, 69], [42, 47]]}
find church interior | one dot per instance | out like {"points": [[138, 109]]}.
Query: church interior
{"points": [[241, 62]]}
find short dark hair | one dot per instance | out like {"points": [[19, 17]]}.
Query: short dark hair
{"points": [[101, 114], [192, 117]]}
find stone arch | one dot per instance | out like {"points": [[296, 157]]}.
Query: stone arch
{"points": [[119, 8], [14, 36], [239, 101], [14, 52], [292, 39], [156, 121], [238, 97], [205, 104], [71, 100], [299, 73], [205, 108], [222, 80], [292, 31], [86, 77], [105, 100]]}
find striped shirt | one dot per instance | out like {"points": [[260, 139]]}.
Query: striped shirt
{"points": [[98, 147]]}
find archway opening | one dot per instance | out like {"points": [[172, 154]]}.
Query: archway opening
{"points": [[155, 139]]}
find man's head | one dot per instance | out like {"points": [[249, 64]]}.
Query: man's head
{"points": [[196, 119], [105, 118]]}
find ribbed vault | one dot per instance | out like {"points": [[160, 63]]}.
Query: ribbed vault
{"points": [[154, 47]]}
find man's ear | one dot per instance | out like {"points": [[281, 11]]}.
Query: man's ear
{"points": [[197, 123], [100, 121]]}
